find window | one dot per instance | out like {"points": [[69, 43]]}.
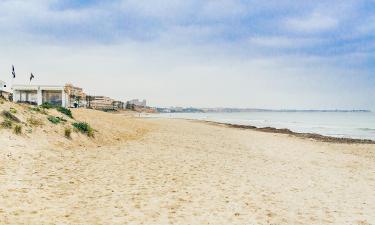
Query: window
{"points": [[53, 97]]}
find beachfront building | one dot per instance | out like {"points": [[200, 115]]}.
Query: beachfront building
{"points": [[100, 102], [77, 98], [3, 93], [136, 102], [118, 105], [39, 94], [2, 85]]}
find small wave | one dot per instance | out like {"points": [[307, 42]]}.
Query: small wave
{"points": [[367, 129], [253, 120]]}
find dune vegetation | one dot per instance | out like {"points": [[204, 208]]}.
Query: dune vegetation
{"points": [[59, 126]]}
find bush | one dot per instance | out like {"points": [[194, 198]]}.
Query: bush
{"points": [[34, 121], [47, 105], [65, 111], [67, 132], [7, 124], [13, 110], [84, 128], [17, 129], [39, 110], [54, 120], [36, 109], [10, 116]]}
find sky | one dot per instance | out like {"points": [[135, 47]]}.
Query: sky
{"points": [[277, 54]]}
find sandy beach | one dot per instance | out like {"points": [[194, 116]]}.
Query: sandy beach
{"points": [[167, 112], [169, 171]]}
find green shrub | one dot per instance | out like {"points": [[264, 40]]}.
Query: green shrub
{"points": [[34, 121], [17, 129], [84, 128], [39, 110], [13, 110], [65, 111], [36, 109], [47, 105], [10, 116], [7, 124], [67, 132], [54, 120]]}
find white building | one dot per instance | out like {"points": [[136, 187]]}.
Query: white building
{"points": [[3, 92], [39, 94], [100, 102], [136, 102], [2, 85]]}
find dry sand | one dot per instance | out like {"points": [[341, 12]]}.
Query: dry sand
{"points": [[160, 171]]}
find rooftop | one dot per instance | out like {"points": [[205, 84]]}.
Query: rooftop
{"points": [[36, 87]]}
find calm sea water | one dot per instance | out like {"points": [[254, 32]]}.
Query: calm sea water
{"points": [[360, 125]]}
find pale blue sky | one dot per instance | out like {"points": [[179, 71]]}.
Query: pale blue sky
{"points": [[265, 54]]}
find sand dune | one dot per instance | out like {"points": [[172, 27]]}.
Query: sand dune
{"points": [[159, 171]]}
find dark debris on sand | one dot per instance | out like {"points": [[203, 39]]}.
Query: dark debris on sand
{"points": [[313, 136]]}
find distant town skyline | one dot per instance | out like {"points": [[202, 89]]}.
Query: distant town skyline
{"points": [[225, 53]]}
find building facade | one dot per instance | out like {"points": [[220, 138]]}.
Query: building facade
{"points": [[136, 102], [77, 98], [39, 94], [100, 102], [2, 85], [118, 105], [4, 93]]}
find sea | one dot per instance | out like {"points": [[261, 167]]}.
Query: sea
{"points": [[356, 125]]}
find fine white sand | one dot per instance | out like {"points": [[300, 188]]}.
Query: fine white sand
{"points": [[159, 171]]}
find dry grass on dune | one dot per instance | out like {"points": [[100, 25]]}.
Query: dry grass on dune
{"points": [[38, 131], [111, 127]]}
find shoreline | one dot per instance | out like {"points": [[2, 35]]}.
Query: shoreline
{"points": [[313, 136]]}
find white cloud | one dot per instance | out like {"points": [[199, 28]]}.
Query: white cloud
{"points": [[279, 42], [158, 9], [26, 15], [315, 22]]}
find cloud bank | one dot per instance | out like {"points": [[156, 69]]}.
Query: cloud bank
{"points": [[273, 54]]}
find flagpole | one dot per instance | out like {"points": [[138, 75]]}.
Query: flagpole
{"points": [[13, 77]]}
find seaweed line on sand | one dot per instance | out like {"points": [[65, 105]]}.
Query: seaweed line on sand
{"points": [[313, 136]]}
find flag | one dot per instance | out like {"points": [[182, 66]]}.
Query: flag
{"points": [[13, 72], [31, 76]]}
